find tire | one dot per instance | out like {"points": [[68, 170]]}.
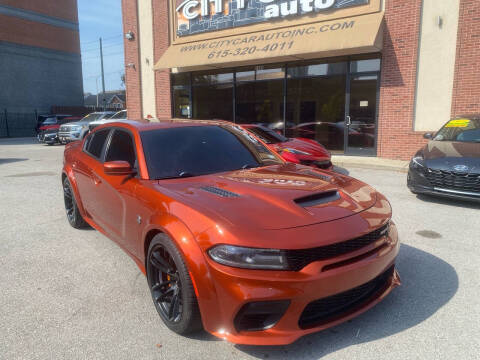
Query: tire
{"points": [[171, 287], [74, 217]]}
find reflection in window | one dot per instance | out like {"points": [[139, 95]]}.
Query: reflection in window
{"points": [[316, 109], [260, 102], [365, 65], [181, 101], [317, 70], [213, 102]]}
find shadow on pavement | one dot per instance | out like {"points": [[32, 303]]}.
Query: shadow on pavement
{"points": [[449, 202], [428, 283], [11, 160], [18, 141]]}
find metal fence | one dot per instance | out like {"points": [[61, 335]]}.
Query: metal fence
{"points": [[14, 124]]}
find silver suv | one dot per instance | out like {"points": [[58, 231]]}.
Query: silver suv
{"points": [[77, 130]]}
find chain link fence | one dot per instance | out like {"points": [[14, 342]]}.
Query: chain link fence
{"points": [[15, 124]]}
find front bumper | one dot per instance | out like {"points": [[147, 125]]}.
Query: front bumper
{"points": [[419, 184], [321, 163], [316, 282], [67, 137], [48, 138]]}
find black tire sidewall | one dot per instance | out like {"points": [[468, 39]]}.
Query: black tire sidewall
{"points": [[77, 222], [190, 319]]}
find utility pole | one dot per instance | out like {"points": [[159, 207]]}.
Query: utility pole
{"points": [[103, 76]]}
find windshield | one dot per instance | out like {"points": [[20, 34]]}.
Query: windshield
{"points": [[462, 130], [92, 117], [201, 150], [119, 115], [268, 136], [50, 121]]}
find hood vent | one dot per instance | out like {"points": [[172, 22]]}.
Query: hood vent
{"points": [[219, 192], [318, 199]]}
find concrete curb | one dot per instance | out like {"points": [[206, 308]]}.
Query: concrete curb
{"points": [[370, 163]]}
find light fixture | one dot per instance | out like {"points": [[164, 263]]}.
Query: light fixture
{"points": [[130, 36], [131, 66]]}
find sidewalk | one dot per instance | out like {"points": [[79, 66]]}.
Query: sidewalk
{"points": [[370, 163]]}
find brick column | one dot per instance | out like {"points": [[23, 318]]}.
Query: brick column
{"points": [[396, 138], [161, 42], [466, 88], [132, 74]]}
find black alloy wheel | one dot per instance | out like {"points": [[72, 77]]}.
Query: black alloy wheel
{"points": [[74, 217], [171, 287]]}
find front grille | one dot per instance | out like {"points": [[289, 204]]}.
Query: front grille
{"points": [[454, 181], [325, 310], [298, 259]]}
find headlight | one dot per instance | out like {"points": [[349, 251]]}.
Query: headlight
{"points": [[249, 258], [417, 162], [297, 152], [76, 128]]}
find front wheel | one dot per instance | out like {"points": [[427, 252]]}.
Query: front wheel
{"points": [[171, 287]]}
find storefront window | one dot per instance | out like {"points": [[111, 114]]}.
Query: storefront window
{"points": [[260, 102], [365, 65], [316, 94], [317, 70], [315, 110]]}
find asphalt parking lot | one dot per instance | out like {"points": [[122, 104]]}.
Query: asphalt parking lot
{"points": [[75, 295]]}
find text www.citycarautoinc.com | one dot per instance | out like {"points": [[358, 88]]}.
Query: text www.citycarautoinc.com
{"points": [[251, 44]]}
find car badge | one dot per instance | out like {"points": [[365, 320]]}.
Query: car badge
{"points": [[461, 168]]}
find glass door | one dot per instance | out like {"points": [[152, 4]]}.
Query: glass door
{"points": [[361, 115]]}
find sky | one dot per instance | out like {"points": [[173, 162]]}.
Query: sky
{"points": [[101, 18]]}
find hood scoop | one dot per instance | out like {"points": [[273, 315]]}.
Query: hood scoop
{"points": [[318, 199], [219, 192]]}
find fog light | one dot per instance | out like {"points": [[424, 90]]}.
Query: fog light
{"points": [[261, 315]]}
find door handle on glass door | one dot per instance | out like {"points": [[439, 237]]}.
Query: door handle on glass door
{"points": [[349, 120]]}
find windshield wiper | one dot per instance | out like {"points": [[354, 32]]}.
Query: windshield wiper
{"points": [[182, 174]]}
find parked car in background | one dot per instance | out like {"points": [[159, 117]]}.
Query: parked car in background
{"points": [[48, 134], [230, 236], [45, 121], [77, 131], [297, 150], [121, 115], [449, 165]]}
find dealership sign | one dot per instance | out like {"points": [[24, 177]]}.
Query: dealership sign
{"points": [[198, 16]]}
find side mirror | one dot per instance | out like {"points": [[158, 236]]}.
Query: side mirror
{"points": [[118, 168], [428, 135]]}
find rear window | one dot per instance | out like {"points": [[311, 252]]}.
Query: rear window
{"points": [[96, 143]]}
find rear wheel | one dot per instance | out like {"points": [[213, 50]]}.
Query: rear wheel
{"points": [[171, 287], [74, 217]]}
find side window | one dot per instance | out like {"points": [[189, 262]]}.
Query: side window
{"points": [[96, 142], [121, 148]]}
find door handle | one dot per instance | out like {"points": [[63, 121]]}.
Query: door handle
{"points": [[349, 120]]}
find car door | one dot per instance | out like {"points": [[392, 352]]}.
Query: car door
{"points": [[117, 211], [86, 169]]}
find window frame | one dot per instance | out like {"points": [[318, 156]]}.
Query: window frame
{"points": [[87, 142], [109, 142]]}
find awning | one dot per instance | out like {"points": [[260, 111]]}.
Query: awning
{"points": [[355, 35]]}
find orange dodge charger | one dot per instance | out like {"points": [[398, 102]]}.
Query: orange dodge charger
{"points": [[230, 237]]}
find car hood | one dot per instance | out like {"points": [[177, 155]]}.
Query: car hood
{"points": [[306, 146], [446, 155], [274, 197]]}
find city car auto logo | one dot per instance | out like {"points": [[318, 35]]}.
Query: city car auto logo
{"points": [[461, 168], [195, 16]]}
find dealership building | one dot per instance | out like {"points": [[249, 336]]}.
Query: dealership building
{"points": [[362, 77]]}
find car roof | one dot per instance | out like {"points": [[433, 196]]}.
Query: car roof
{"points": [[143, 125]]}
